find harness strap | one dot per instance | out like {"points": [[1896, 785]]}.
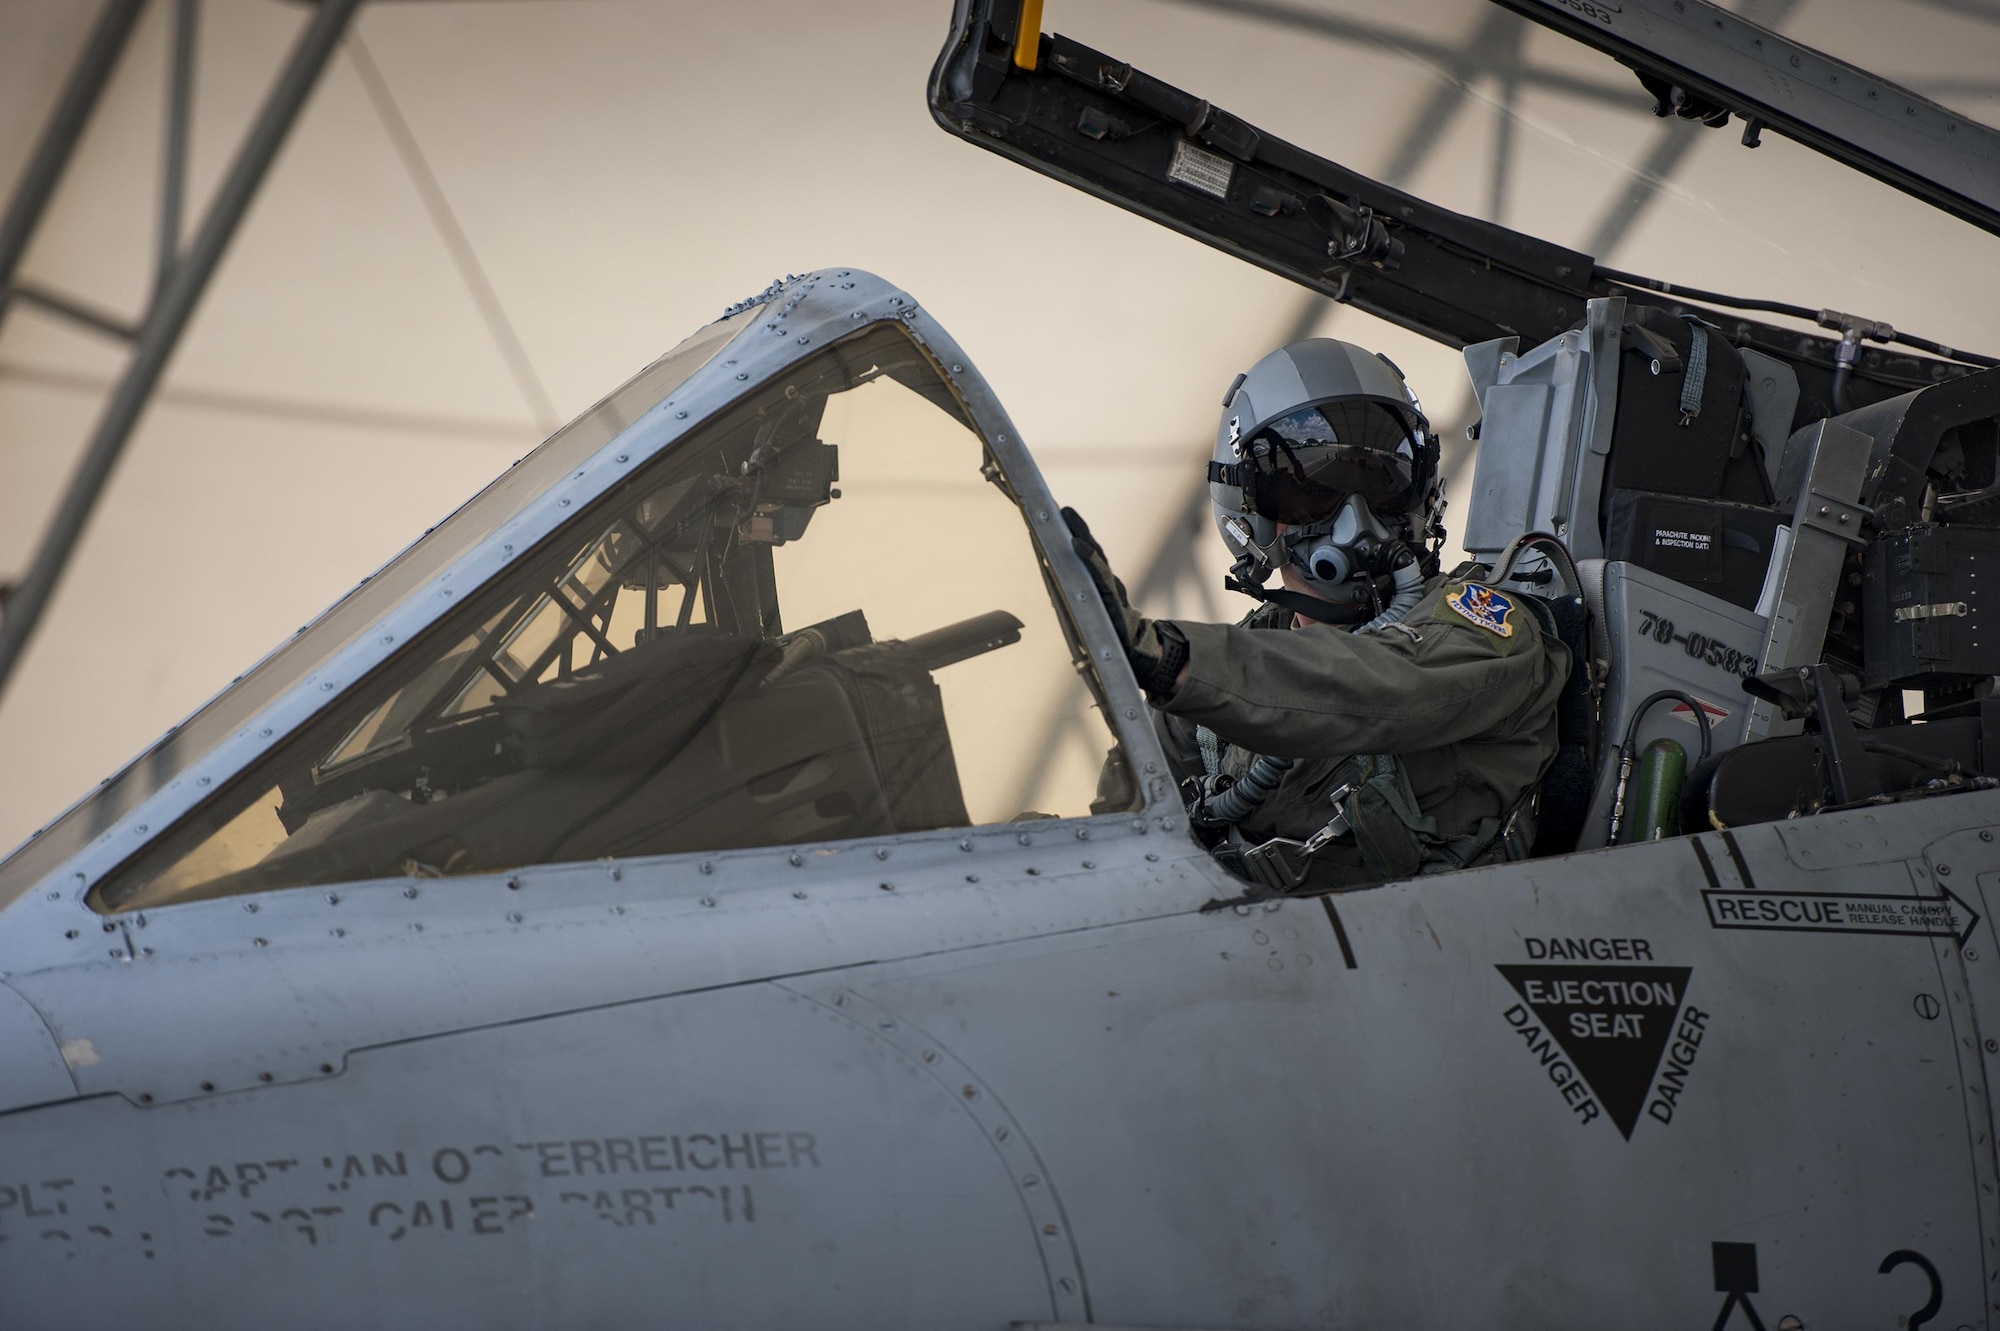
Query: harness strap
{"points": [[1380, 821], [1697, 371], [1210, 745]]}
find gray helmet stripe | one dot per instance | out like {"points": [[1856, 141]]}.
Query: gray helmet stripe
{"points": [[1301, 374]]}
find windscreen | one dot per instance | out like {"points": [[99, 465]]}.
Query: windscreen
{"points": [[490, 509], [818, 616]]}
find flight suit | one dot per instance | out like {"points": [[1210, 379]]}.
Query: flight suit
{"points": [[1447, 718]]}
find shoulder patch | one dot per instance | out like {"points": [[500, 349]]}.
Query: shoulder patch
{"points": [[1479, 604]]}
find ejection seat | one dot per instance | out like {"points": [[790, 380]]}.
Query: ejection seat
{"points": [[1638, 479], [1760, 594]]}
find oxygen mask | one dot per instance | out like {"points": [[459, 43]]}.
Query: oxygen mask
{"points": [[1352, 543]]}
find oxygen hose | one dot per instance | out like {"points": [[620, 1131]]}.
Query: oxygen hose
{"points": [[1249, 793], [1257, 784], [1408, 590]]}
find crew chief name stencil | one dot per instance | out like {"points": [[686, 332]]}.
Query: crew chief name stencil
{"points": [[1600, 1032]]}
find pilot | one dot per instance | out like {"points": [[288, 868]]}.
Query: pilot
{"points": [[1370, 719]]}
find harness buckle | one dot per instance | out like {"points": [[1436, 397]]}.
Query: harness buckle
{"points": [[1278, 865], [1281, 864]]}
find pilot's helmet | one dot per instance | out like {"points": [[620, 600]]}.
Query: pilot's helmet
{"points": [[1325, 438]]}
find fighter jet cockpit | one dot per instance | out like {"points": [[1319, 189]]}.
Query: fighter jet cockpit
{"points": [[724, 874], [817, 616]]}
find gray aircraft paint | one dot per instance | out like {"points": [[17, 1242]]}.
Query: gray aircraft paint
{"points": [[1009, 1074]]}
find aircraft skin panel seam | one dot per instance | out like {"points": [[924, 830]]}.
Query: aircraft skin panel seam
{"points": [[60, 1102], [1736, 858], [1975, 972], [609, 1005], [1982, 1191], [340, 1055], [1038, 922], [1040, 1199], [1339, 932], [21, 1001]]}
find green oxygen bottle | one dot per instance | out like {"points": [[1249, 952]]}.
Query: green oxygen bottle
{"points": [[1656, 793]]}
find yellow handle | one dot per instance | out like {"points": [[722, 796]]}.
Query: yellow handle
{"points": [[1028, 36]]}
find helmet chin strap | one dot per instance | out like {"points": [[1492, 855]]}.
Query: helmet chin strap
{"points": [[1355, 610]]}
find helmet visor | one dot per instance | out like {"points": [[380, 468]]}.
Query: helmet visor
{"points": [[1303, 466]]}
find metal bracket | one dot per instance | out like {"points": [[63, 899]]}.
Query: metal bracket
{"points": [[1830, 513], [1817, 693], [1939, 610]]}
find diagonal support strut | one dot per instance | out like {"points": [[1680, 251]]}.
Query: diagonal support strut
{"points": [[59, 137], [167, 320]]}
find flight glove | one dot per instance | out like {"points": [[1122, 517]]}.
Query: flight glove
{"points": [[1157, 651]]}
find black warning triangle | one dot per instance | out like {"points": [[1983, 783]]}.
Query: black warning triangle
{"points": [[1612, 1021]]}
